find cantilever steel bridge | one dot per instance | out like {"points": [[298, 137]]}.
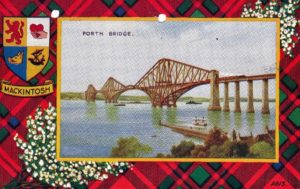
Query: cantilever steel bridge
{"points": [[169, 79]]}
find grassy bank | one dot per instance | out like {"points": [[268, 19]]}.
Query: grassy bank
{"points": [[71, 96], [80, 96]]}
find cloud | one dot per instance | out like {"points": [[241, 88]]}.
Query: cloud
{"points": [[230, 47]]}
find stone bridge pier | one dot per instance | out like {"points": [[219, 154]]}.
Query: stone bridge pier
{"points": [[169, 101], [214, 103], [90, 93], [226, 98], [250, 100], [237, 99], [250, 105], [265, 97]]}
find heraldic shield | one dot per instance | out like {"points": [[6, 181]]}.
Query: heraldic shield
{"points": [[26, 45]]}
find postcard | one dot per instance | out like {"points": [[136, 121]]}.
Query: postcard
{"points": [[181, 90], [149, 94]]}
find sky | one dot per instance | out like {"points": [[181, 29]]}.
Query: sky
{"points": [[233, 48]]}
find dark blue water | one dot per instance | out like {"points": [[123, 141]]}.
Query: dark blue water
{"points": [[91, 129]]}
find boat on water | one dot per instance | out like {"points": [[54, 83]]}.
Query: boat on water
{"points": [[193, 102], [199, 122], [120, 104]]}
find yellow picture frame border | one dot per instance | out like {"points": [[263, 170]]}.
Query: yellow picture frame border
{"points": [[155, 19]]}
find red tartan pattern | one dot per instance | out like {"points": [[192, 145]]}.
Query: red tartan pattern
{"points": [[151, 175]]}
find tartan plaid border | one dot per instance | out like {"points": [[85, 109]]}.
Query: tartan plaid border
{"points": [[155, 175]]}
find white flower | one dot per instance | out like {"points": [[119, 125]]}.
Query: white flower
{"points": [[41, 162], [105, 176], [34, 174], [68, 185]]}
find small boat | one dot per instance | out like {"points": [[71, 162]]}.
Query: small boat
{"points": [[199, 121], [193, 102], [120, 104]]}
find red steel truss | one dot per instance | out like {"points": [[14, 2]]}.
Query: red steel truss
{"points": [[164, 83], [111, 89], [168, 79]]}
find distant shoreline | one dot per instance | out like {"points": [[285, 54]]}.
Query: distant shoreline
{"points": [[142, 99]]}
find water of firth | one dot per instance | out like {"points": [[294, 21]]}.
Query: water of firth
{"points": [[92, 129]]}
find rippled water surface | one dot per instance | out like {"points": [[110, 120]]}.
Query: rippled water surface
{"points": [[91, 129]]}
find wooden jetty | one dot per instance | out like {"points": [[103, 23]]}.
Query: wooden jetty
{"points": [[186, 130], [203, 133]]}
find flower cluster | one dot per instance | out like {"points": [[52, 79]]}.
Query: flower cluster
{"points": [[40, 155], [288, 21]]}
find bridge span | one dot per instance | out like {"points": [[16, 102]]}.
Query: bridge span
{"points": [[168, 80]]}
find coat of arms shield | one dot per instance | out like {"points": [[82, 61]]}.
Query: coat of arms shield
{"points": [[26, 45]]}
